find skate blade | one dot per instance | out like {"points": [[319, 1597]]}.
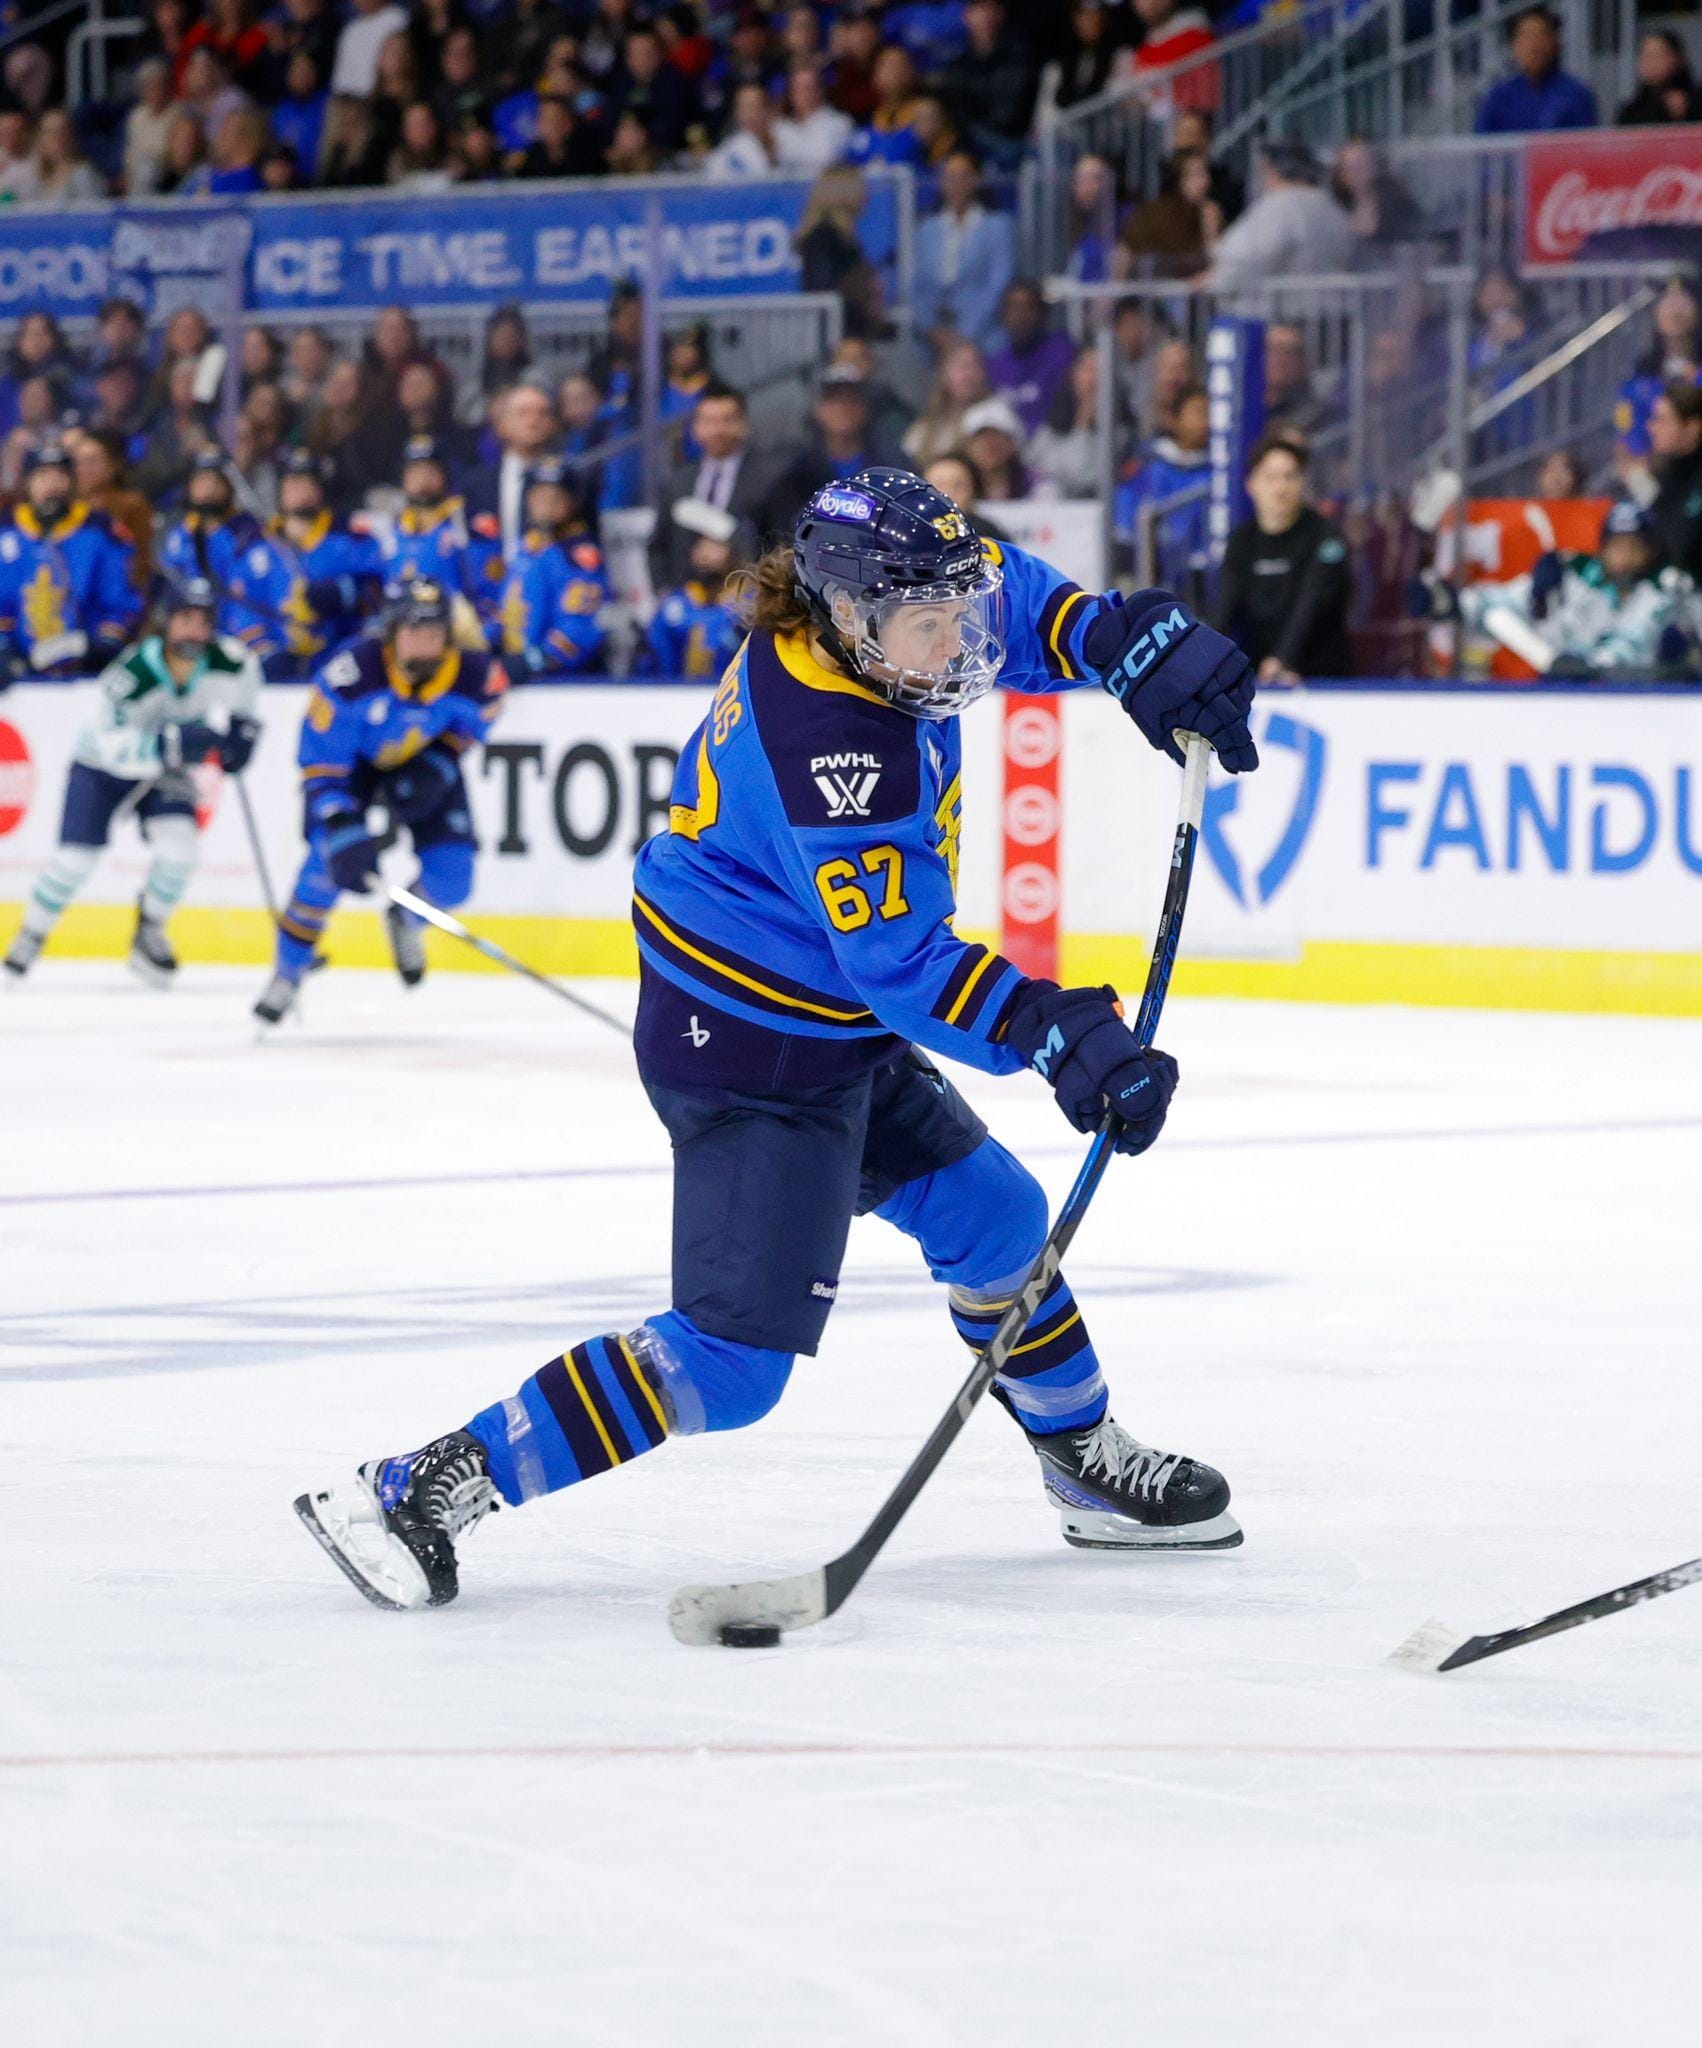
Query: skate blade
{"points": [[1083, 1531], [1429, 1646], [146, 972], [352, 1533]]}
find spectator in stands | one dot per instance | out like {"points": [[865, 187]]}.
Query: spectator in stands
{"points": [[1191, 133], [1561, 475], [1175, 464], [564, 147], [1293, 229], [230, 31], [1133, 353], [17, 156], [965, 259], [959, 382], [1674, 355], [63, 175], [309, 27], [207, 90], [1171, 234], [307, 363], [586, 424], [1173, 370], [811, 134], [843, 444], [1675, 440], [118, 406], [421, 162], [339, 437], [38, 350], [121, 333], [461, 90], [556, 586], [991, 88], [1292, 400], [751, 146], [1503, 311], [856, 39], [726, 476], [1093, 220], [30, 78], [935, 129], [238, 145], [1539, 95], [1175, 32], [955, 473], [1666, 91], [630, 153], [1286, 585], [526, 427], [145, 129], [370, 26], [889, 135], [993, 441], [829, 253], [298, 118], [260, 358], [889, 416], [1381, 211], [1031, 362], [653, 90], [1084, 66], [351, 150], [1066, 454]]}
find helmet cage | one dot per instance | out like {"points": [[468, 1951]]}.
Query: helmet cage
{"points": [[863, 626]]}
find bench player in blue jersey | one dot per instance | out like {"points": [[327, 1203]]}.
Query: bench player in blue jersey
{"points": [[795, 932]]}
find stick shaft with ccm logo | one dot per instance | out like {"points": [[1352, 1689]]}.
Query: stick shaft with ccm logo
{"points": [[698, 1614]]}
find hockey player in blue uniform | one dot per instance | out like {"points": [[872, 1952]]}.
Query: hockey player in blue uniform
{"points": [[212, 536], [697, 629], [388, 723], [307, 587], [795, 932], [556, 586], [67, 604]]}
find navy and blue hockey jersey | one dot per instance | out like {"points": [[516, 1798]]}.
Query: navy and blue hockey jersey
{"points": [[691, 633], [365, 717], [795, 921], [306, 601], [67, 604], [196, 546], [443, 544], [551, 601]]}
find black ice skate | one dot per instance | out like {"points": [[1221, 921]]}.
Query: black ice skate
{"points": [[407, 942], [151, 957], [392, 1528], [1113, 1493], [277, 999], [21, 953]]}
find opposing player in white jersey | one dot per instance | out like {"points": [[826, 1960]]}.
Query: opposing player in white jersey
{"points": [[174, 699]]}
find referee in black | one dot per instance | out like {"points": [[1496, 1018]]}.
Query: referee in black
{"points": [[1285, 588]]}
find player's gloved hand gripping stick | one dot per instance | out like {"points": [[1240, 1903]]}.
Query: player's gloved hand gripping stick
{"points": [[699, 1614]]}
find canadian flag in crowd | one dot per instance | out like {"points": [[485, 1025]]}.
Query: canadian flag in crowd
{"points": [[1577, 186]]}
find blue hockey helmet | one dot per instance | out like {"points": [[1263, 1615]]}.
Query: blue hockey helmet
{"points": [[1626, 516], [901, 590], [190, 594], [417, 601], [48, 453]]}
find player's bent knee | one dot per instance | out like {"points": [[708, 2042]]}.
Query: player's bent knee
{"points": [[446, 874], [709, 1383], [983, 1219]]}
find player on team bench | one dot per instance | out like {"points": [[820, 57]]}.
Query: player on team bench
{"points": [[794, 927], [179, 696], [388, 723]]}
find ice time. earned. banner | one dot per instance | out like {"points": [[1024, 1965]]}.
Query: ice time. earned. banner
{"points": [[556, 244]]}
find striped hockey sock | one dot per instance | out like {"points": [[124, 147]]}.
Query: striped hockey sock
{"points": [[593, 1408], [1052, 1380]]}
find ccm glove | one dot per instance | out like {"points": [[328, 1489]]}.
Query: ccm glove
{"points": [[183, 746], [424, 786], [1075, 1039], [236, 748], [350, 850], [1173, 674]]}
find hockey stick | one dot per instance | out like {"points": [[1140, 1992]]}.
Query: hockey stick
{"points": [[254, 847], [699, 1614], [405, 899], [1437, 1647]]}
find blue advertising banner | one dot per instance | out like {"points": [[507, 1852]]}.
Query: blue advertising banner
{"points": [[564, 244], [1235, 395]]}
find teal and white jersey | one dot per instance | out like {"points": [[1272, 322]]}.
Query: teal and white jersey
{"points": [[139, 696], [1639, 632]]}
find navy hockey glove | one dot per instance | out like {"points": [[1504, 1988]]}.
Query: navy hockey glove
{"points": [[1075, 1039], [1546, 579], [1173, 674], [413, 793], [183, 746], [332, 596], [236, 749], [351, 852]]}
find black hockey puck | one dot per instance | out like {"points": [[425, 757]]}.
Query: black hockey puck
{"points": [[750, 1635]]}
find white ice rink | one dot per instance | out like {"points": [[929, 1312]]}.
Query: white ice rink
{"points": [[1426, 1285]]}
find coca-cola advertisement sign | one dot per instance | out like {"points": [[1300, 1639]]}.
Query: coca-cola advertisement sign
{"points": [[1580, 186]]}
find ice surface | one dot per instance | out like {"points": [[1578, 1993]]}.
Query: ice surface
{"points": [[1426, 1285]]}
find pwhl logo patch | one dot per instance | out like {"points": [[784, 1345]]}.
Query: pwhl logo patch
{"points": [[1251, 891], [847, 781]]}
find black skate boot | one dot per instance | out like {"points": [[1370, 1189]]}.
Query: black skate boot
{"points": [[22, 952], [151, 957], [392, 1528], [277, 999], [407, 942], [1113, 1493]]}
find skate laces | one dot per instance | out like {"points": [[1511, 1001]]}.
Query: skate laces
{"points": [[1135, 1466], [456, 1493]]}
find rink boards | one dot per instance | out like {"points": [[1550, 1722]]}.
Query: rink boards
{"points": [[1516, 847]]}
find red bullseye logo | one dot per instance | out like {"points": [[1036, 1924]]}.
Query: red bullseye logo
{"points": [[1031, 893], [1031, 815], [1032, 736], [17, 778]]}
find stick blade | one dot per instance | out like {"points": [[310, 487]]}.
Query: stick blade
{"points": [[698, 1614], [1429, 1646]]}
